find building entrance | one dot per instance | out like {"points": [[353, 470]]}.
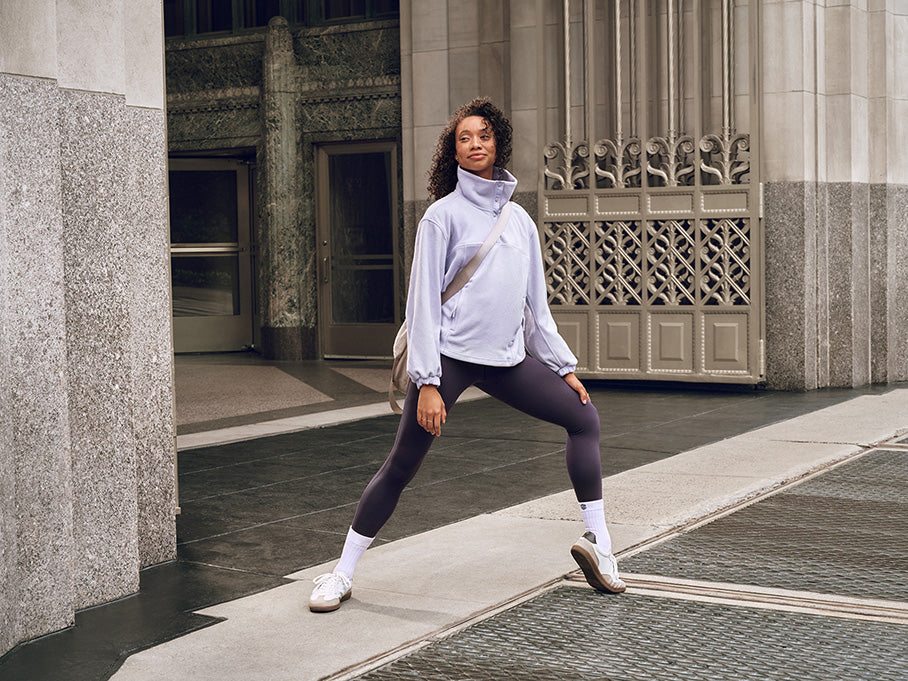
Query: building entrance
{"points": [[211, 259], [358, 249]]}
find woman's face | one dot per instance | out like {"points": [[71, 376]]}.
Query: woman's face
{"points": [[474, 146]]}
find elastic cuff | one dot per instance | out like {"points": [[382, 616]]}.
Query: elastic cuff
{"points": [[432, 380]]}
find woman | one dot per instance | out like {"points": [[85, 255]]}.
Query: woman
{"points": [[480, 337]]}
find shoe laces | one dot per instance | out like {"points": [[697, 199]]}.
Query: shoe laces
{"points": [[608, 564], [331, 583]]}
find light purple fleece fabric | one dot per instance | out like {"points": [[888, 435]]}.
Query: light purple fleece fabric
{"points": [[502, 312]]}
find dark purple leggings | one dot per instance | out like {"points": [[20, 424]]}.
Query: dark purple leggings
{"points": [[530, 387]]}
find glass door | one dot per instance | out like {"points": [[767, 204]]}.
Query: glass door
{"points": [[211, 260], [358, 251]]}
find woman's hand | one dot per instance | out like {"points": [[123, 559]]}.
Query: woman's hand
{"points": [[430, 410], [575, 383]]}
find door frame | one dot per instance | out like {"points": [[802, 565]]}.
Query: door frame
{"points": [[225, 333], [384, 333]]}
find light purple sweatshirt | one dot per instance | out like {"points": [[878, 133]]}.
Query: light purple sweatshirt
{"points": [[502, 312]]}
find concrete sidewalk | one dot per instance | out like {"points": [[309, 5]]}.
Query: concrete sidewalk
{"points": [[421, 586]]}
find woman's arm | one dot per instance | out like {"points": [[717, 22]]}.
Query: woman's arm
{"points": [[424, 304]]}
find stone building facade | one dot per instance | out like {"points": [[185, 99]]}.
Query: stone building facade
{"points": [[815, 260], [273, 97], [720, 186], [709, 280]]}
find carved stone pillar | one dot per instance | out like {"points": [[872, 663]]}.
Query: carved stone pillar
{"points": [[288, 329]]}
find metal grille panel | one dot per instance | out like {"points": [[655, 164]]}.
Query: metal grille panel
{"points": [[650, 198], [844, 532], [577, 634]]}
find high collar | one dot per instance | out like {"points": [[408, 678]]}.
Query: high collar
{"points": [[487, 195]]}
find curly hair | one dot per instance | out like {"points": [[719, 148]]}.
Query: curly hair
{"points": [[443, 171]]}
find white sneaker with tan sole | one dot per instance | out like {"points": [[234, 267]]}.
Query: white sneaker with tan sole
{"points": [[600, 569], [331, 589]]}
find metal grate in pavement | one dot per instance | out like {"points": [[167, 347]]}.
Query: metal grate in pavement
{"points": [[843, 532], [577, 634]]}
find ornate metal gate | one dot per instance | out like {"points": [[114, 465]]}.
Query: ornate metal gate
{"points": [[651, 221]]}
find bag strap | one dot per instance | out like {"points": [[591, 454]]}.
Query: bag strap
{"points": [[392, 400], [462, 277]]}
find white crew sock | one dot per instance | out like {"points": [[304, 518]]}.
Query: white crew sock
{"points": [[354, 547], [593, 513]]}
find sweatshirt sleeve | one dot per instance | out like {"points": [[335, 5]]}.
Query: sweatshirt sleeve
{"points": [[424, 304], [540, 331]]}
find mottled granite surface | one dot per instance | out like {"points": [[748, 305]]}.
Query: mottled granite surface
{"points": [[94, 129], [848, 282], [147, 268], [888, 219], [789, 227], [36, 541], [86, 396], [897, 333], [836, 271]]}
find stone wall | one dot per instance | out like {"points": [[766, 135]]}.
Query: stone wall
{"points": [[833, 107], [86, 394], [274, 96], [452, 52], [836, 182], [832, 104]]}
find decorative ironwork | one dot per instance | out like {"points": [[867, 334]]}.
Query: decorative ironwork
{"points": [[617, 162], [619, 267], [673, 158], [725, 262], [657, 264], [726, 157], [566, 252], [671, 255], [566, 165]]}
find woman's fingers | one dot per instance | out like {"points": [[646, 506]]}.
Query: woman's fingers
{"points": [[432, 422], [437, 419], [430, 410], [575, 383]]}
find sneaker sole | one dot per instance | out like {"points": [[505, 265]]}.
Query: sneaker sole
{"points": [[588, 563], [330, 608]]}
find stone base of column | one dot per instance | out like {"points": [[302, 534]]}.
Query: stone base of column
{"points": [[292, 343], [835, 276]]}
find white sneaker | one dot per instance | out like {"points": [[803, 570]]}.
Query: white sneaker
{"points": [[600, 569], [331, 589]]}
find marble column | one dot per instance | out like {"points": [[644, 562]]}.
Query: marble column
{"points": [[288, 323]]}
